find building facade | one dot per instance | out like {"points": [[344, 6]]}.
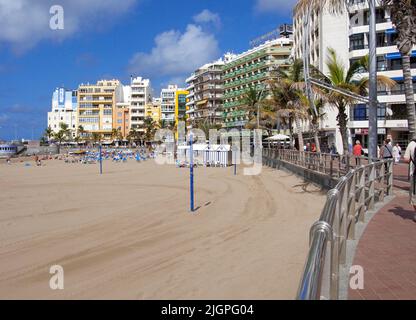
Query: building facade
{"points": [[168, 104], [348, 34], [141, 95], [122, 114], [97, 107], [153, 110], [206, 92], [250, 70], [64, 110], [392, 114]]}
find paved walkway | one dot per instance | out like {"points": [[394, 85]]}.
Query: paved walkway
{"points": [[387, 249]]}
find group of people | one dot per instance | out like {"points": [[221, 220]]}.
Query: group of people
{"points": [[387, 151]]}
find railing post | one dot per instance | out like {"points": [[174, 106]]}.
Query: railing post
{"points": [[390, 177], [361, 198], [384, 165], [372, 182], [335, 263], [343, 213], [351, 207]]}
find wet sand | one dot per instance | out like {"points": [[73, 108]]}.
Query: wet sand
{"points": [[128, 234]]}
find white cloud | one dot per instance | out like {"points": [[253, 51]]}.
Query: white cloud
{"points": [[207, 16], [176, 54], [23, 23], [275, 6]]}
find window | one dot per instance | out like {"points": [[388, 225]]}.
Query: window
{"points": [[357, 42], [360, 112], [381, 63]]}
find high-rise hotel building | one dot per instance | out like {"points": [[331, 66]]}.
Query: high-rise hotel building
{"points": [[97, 107], [206, 92], [250, 70], [64, 110], [348, 34]]}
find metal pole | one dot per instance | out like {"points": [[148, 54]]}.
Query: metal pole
{"points": [[372, 108], [101, 159], [191, 150], [235, 162]]}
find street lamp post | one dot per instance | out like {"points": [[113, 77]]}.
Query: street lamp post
{"points": [[372, 109]]}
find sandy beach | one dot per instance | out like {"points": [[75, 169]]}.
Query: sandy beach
{"points": [[128, 234]]}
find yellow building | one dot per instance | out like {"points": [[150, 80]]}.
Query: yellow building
{"points": [[97, 111], [154, 111]]}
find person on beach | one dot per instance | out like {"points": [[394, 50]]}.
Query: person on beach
{"points": [[397, 153], [410, 158]]}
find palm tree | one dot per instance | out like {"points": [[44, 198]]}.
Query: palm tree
{"points": [[315, 119], [403, 13], [150, 126], [267, 118], [253, 98], [48, 133], [62, 135], [348, 80], [96, 137], [206, 126], [287, 94], [291, 106], [162, 124]]}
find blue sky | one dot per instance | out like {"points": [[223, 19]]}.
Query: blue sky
{"points": [[164, 40]]}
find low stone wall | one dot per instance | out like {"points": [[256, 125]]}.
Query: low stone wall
{"points": [[325, 181]]}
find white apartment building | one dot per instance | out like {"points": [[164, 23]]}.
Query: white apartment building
{"points": [[141, 95], [64, 110], [327, 30], [392, 114], [348, 34], [168, 103]]}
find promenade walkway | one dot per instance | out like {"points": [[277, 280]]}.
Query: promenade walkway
{"points": [[387, 249]]}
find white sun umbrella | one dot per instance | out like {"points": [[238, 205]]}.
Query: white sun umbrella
{"points": [[278, 137]]}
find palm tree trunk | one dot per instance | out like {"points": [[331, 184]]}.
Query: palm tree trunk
{"points": [[342, 123], [410, 100], [291, 132], [299, 130], [316, 137]]}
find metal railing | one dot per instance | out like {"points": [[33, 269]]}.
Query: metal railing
{"points": [[333, 165], [356, 193]]}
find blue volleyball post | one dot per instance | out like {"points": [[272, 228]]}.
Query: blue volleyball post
{"points": [[101, 160], [235, 162], [191, 155]]}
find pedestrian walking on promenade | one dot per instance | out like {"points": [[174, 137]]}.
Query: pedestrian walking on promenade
{"points": [[410, 158], [386, 152], [397, 153], [357, 151]]}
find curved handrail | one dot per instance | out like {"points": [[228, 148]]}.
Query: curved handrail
{"points": [[343, 208], [357, 191]]}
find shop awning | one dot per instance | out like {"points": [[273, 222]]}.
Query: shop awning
{"points": [[391, 31], [397, 55], [401, 78]]}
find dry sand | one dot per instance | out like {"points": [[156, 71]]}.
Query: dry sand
{"points": [[128, 234]]}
